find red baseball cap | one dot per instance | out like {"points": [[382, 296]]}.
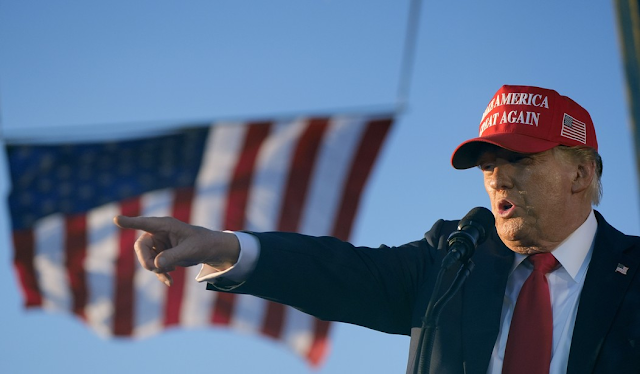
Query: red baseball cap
{"points": [[527, 119]]}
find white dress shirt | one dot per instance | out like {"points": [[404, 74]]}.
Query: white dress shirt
{"points": [[565, 285]]}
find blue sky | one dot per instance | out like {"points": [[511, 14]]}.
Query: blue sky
{"points": [[74, 69]]}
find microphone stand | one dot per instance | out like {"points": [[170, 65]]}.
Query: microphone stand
{"points": [[432, 316]]}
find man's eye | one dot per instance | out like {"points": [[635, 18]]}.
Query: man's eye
{"points": [[487, 166]]}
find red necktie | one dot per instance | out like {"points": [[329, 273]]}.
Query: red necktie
{"points": [[530, 339]]}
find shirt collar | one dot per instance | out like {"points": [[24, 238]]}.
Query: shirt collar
{"points": [[573, 251]]}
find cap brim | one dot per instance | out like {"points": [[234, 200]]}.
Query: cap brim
{"points": [[467, 154]]}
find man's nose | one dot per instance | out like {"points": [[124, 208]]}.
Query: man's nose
{"points": [[501, 178]]}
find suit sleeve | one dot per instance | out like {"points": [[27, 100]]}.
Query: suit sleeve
{"points": [[335, 280]]}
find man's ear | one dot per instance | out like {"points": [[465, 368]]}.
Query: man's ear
{"points": [[584, 174]]}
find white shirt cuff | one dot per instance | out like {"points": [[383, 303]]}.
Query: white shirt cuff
{"points": [[239, 272]]}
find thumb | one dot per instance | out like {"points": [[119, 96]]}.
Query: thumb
{"points": [[165, 260], [180, 255]]}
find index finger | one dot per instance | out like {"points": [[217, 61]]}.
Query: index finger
{"points": [[148, 224]]}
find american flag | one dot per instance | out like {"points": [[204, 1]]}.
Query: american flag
{"points": [[303, 174], [622, 269], [574, 129]]}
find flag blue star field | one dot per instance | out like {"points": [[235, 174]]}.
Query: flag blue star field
{"points": [[303, 174]]}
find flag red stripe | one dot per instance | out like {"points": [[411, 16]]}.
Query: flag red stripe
{"points": [[274, 319], [183, 198], [320, 347], [370, 144], [76, 244], [235, 211], [125, 269], [240, 183], [366, 153], [304, 159], [23, 243], [224, 307]]}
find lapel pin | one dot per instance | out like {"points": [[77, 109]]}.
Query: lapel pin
{"points": [[622, 269]]}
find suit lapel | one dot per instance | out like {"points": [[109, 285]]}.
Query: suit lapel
{"points": [[482, 303], [603, 291]]}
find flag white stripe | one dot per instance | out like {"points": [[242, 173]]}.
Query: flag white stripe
{"points": [[264, 206], [248, 314], [334, 162], [577, 137], [576, 131], [196, 301], [575, 128], [49, 262], [270, 177], [223, 148], [266, 199], [264, 203], [298, 331], [150, 293], [99, 264], [224, 145]]}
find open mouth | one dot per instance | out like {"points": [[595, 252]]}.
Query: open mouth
{"points": [[505, 206]]}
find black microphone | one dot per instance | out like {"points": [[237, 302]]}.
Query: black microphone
{"points": [[472, 230]]}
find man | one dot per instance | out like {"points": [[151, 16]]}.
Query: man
{"points": [[554, 287]]}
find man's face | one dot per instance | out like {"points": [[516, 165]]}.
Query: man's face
{"points": [[530, 197]]}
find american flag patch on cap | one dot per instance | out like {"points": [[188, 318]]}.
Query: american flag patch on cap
{"points": [[574, 129]]}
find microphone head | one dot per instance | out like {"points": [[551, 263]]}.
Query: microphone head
{"points": [[478, 218]]}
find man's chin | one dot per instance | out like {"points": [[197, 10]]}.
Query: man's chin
{"points": [[514, 231]]}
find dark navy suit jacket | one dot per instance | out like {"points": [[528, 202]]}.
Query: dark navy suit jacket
{"points": [[388, 289]]}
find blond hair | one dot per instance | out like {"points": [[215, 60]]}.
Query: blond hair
{"points": [[586, 155]]}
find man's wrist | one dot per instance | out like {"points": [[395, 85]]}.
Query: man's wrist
{"points": [[240, 271]]}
